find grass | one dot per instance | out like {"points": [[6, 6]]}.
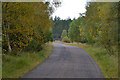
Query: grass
{"points": [[0, 56], [16, 66], [57, 41], [108, 64]]}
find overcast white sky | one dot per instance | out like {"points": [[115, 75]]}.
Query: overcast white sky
{"points": [[70, 8]]}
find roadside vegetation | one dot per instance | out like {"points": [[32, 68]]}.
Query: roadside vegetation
{"points": [[26, 28], [16, 66], [97, 30], [65, 37], [100, 27], [108, 64], [20, 31]]}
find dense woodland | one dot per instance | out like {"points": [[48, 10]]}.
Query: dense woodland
{"points": [[99, 25], [24, 25], [25, 28], [59, 25]]}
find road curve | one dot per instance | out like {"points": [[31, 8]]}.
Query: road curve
{"points": [[66, 61]]}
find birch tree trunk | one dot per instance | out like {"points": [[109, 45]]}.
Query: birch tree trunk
{"points": [[9, 47], [8, 41]]}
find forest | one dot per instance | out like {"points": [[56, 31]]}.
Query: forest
{"points": [[24, 26], [58, 26], [26, 33], [99, 25]]}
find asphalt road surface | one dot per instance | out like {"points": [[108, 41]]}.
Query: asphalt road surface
{"points": [[66, 61]]}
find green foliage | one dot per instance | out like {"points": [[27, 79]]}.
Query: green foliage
{"points": [[24, 25], [74, 32], [66, 39], [15, 66], [108, 64], [59, 25], [98, 25], [109, 28], [64, 34], [48, 36]]}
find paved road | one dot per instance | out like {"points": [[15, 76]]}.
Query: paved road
{"points": [[66, 61]]}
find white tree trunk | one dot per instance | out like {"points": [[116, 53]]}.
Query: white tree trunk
{"points": [[9, 47]]}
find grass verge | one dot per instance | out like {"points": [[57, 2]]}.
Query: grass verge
{"points": [[108, 64], [57, 41], [16, 66]]}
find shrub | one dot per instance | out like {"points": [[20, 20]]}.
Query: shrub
{"points": [[64, 34], [66, 39]]}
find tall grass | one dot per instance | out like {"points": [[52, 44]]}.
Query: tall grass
{"points": [[0, 55], [108, 64], [16, 66]]}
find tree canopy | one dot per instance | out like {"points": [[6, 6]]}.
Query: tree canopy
{"points": [[24, 25], [99, 25], [59, 25]]}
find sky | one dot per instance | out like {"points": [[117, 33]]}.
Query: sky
{"points": [[70, 9]]}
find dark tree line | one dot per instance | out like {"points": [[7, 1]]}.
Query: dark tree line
{"points": [[60, 25]]}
